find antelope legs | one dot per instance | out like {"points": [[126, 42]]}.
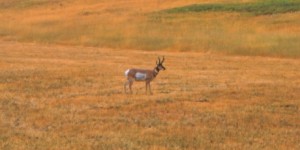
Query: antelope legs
{"points": [[148, 86], [129, 83], [126, 83]]}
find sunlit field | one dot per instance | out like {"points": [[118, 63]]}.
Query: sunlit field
{"points": [[232, 78], [57, 97], [231, 27]]}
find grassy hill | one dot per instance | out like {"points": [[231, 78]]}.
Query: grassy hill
{"points": [[216, 26]]}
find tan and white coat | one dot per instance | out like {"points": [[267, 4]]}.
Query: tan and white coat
{"points": [[142, 75]]}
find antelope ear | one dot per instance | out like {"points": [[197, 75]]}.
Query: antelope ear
{"points": [[159, 60], [156, 62]]}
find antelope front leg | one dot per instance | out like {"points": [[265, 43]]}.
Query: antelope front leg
{"points": [[146, 87], [150, 89]]}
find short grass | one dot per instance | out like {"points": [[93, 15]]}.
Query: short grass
{"points": [[131, 24], [268, 7], [65, 97]]}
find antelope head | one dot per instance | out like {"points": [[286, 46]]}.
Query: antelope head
{"points": [[159, 64]]}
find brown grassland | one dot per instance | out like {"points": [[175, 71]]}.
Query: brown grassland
{"points": [[133, 24], [227, 85]]}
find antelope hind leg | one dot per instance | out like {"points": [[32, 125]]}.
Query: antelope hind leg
{"points": [[125, 85], [130, 85]]}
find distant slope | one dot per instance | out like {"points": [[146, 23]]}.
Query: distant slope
{"points": [[257, 8], [210, 25], [22, 4]]}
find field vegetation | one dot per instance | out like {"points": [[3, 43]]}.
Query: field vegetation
{"points": [[61, 97], [264, 28], [232, 78], [266, 7]]}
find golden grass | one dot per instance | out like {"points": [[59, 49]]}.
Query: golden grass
{"points": [[59, 97], [132, 24], [58, 93]]}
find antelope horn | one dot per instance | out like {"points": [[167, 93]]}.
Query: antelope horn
{"points": [[163, 59], [158, 60]]}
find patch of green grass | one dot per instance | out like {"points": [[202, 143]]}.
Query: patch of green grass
{"points": [[258, 8]]}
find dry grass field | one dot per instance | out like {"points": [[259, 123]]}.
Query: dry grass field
{"points": [[135, 24], [232, 79], [58, 97]]}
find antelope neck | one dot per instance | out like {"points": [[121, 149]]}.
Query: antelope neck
{"points": [[155, 72]]}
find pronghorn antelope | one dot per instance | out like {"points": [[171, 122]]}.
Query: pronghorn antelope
{"points": [[143, 75]]}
